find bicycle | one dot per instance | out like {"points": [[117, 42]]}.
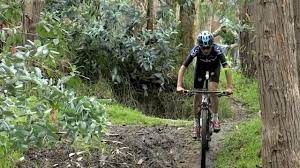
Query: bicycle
{"points": [[206, 127]]}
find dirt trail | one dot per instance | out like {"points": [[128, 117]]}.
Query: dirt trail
{"points": [[140, 146]]}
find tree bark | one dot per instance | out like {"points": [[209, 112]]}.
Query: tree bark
{"points": [[150, 15], [187, 17], [1, 42], [278, 80], [297, 33], [33, 11], [247, 40]]}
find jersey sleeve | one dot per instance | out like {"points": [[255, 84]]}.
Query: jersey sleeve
{"points": [[221, 56], [193, 53], [223, 60]]}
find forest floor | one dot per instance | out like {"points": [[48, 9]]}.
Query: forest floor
{"points": [[140, 146]]}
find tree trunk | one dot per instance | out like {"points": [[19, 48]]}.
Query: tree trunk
{"points": [[187, 17], [247, 40], [150, 15], [1, 42], [278, 80], [32, 14], [297, 33]]}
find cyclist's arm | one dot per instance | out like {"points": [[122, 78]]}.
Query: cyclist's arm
{"points": [[180, 76], [183, 67]]}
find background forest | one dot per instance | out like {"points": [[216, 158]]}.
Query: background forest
{"points": [[70, 69]]}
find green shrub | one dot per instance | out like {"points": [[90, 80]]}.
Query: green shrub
{"points": [[111, 44], [28, 97]]}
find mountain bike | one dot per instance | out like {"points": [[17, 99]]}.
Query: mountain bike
{"points": [[204, 119]]}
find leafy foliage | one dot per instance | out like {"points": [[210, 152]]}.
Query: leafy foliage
{"points": [[111, 44], [226, 12], [10, 11], [51, 30], [108, 41], [10, 16], [28, 97]]}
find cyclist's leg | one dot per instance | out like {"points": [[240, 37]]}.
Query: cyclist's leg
{"points": [[196, 110], [196, 105], [215, 75], [215, 100]]}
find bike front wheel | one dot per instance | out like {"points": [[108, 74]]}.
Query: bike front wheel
{"points": [[204, 135]]}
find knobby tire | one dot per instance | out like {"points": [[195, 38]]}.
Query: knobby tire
{"points": [[204, 136]]}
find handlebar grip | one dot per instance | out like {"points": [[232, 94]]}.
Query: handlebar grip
{"points": [[223, 94]]}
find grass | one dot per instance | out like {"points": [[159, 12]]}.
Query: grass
{"points": [[225, 110], [241, 146], [122, 115], [245, 90], [8, 161]]}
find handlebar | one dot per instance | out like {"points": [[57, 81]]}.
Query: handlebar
{"points": [[219, 93]]}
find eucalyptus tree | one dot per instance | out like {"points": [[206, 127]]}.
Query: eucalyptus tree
{"points": [[187, 27], [150, 15], [247, 38], [31, 17], [297, 32], [278, 81]]}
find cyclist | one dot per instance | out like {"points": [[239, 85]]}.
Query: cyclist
{"points": [[209, 58]]}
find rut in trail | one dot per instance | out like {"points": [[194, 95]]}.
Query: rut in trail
{"points": [[141, 147]]}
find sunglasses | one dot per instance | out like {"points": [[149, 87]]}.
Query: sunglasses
{"points": [[205, 47]]}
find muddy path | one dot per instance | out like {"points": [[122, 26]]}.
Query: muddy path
{"points": [[139, 146]]}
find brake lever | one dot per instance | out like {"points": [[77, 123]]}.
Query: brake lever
{"points": [[223, 94]]}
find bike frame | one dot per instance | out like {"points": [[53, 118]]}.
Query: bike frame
{"points": [[205, 113], [206, 121]]}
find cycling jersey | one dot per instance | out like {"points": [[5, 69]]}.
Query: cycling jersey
{"points": [[205, 63]]}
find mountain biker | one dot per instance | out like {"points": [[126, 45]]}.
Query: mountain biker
{"points": [[209, 58]]}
